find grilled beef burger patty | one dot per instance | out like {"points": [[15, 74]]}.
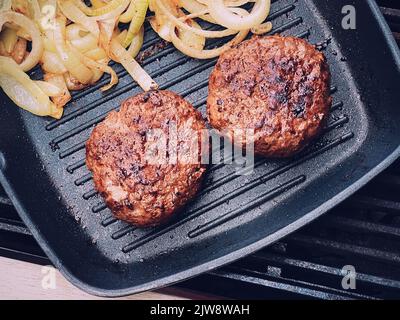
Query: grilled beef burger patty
{"points": [[277, 86], [141, 184]]}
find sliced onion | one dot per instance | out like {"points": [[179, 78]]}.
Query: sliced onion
{"points": [[133, 68], [109, 7], [225, 17], [5, 5], [127, 16], [48, 88], [85, 43], [74, 58], [98, 3], [192, 40], [21, 33], [113, 14], [106, 34], [97, 74], [120, 35], [23, 91], [206, 54], [111, 10], [163, 29], [9, 38], [193, 6], [29, 8], [35, 10], [73, 64], [51, 63], [136, 21], [3, 51], [262, 28], [47, 14], [230, 3], [136, 43], [75, 31], [58, 80], [96, 54], [175, 26], [37, 44], [48, 41], [72, 83], [200, 32], [73, 13], [19, 51], [99, 67]]}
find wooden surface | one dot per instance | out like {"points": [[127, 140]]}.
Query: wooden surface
{"points": [[22, 280]]}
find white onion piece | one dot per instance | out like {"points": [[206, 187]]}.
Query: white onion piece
{"points": [[73, 64], [134, 69], [225, 17], [72, 83], [99, 67], [102, 12], [37, 43], [204, 33], [262, 28], [75, 31], [36, 10], [206, 54], [85, 43], [58, 80], [73, 13], [162, 29], [193, 6], [48, 88], [23, 91], [5, 5], [19, 51], [51, 63], [115, 13], [96, 54], [136, 43], [107, 28]]}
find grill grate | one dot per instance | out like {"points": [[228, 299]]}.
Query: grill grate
{"points": [[77, 123], [364, 231]]}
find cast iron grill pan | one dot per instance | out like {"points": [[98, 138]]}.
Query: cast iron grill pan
{"points": [[44, 173]]}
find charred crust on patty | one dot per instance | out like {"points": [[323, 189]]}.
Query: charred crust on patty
{"points": [[138, 192], [278, 86]]}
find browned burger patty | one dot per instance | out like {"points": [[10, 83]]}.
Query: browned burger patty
{"points": [[137, 190], [278, 86]]}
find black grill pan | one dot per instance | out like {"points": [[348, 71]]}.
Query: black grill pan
{"points": [[44, 174]]}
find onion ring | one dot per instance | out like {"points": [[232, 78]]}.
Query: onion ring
{"points": [[37, 43], [228, 19]]}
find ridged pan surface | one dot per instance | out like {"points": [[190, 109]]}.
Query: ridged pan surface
{"points": [[43, 170]]}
